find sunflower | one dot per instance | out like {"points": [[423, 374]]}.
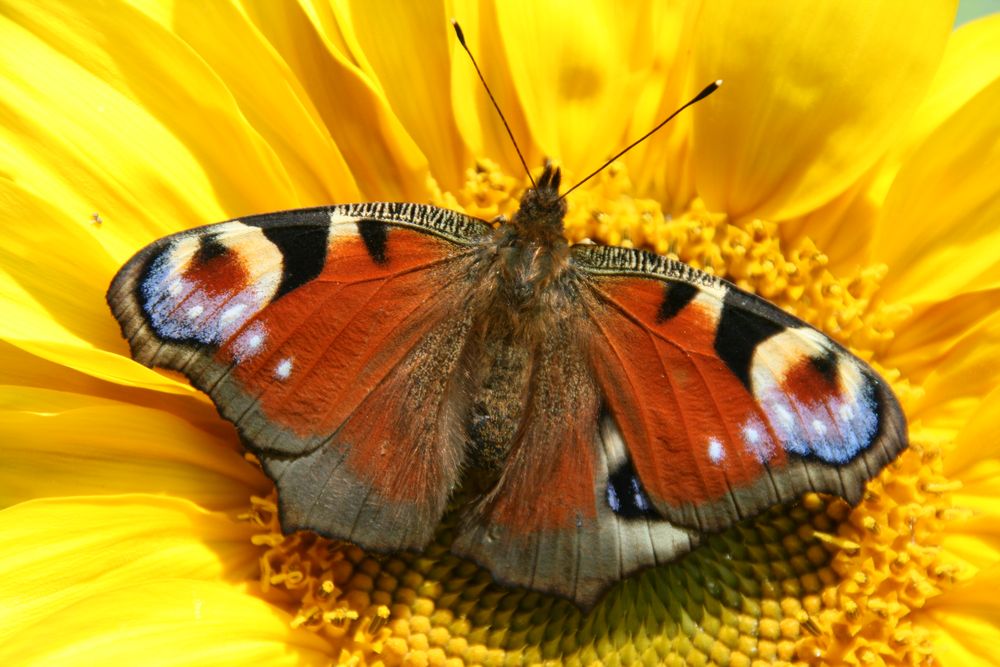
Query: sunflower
{"points": [[846, 171]]}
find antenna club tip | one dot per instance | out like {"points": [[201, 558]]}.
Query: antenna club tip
{"points": [[458, 31], [708, 90]]}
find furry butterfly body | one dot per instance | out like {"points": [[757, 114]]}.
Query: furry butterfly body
{"points": [[599, 408]]}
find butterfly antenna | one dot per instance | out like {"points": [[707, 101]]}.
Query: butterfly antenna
{"points": [[461, 40], [709, 89]]}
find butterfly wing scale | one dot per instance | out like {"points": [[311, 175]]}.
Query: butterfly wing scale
{"points": [[344, 392]]}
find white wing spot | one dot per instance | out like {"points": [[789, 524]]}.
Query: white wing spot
{"points": [[784, 416], [283, 370], [231, 313], [175, 287], [342, 225], [819, 427], [195, 311], [757, 442], [249, 342], [338, 218], [716, 452], [846, 412]]}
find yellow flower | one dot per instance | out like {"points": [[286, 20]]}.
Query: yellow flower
{"points": [[847, 171]]}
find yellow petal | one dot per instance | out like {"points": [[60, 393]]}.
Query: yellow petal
{"points": [[825, 226], [812, 97], [958, 379], [579, 72], [166, 622], [384, 160], [56, 443], [79, 142], [974, 460], [476, 119], [23, 369], [928, 334], [59, 551], [969, 65], [939, 227], [56, 264], [127, 579], [115, 107], [976, 446], [24, 322], [971, 542], [413, 71], [53, 275], [267, 92], [661, 166], [966, 622]]}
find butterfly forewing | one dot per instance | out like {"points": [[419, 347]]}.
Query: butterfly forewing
{"points": [[727, 404], [331, 338]]}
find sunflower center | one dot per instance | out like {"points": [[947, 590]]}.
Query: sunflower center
{"points": [[814, 581]]}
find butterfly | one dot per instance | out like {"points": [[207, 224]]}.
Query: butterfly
{"points": [[588, 411], [598, 409]]}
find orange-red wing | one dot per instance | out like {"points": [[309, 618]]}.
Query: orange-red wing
{"points": [[728, 405], [547, 523], [681, 411], [330, 337]]}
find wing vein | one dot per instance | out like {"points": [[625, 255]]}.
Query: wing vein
{"points": [[638, 321]]}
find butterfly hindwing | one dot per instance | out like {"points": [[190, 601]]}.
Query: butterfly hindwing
{"points": [[331, 338], [727, 404], [548, 523]]}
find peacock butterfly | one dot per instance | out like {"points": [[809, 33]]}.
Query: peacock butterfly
{"points": [[601, 408]]}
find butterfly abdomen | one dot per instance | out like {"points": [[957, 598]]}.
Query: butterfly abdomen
{"points": [[499, 382]]}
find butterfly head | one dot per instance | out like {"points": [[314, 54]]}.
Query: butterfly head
{"points": [[539, 219], [531, 251]]}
